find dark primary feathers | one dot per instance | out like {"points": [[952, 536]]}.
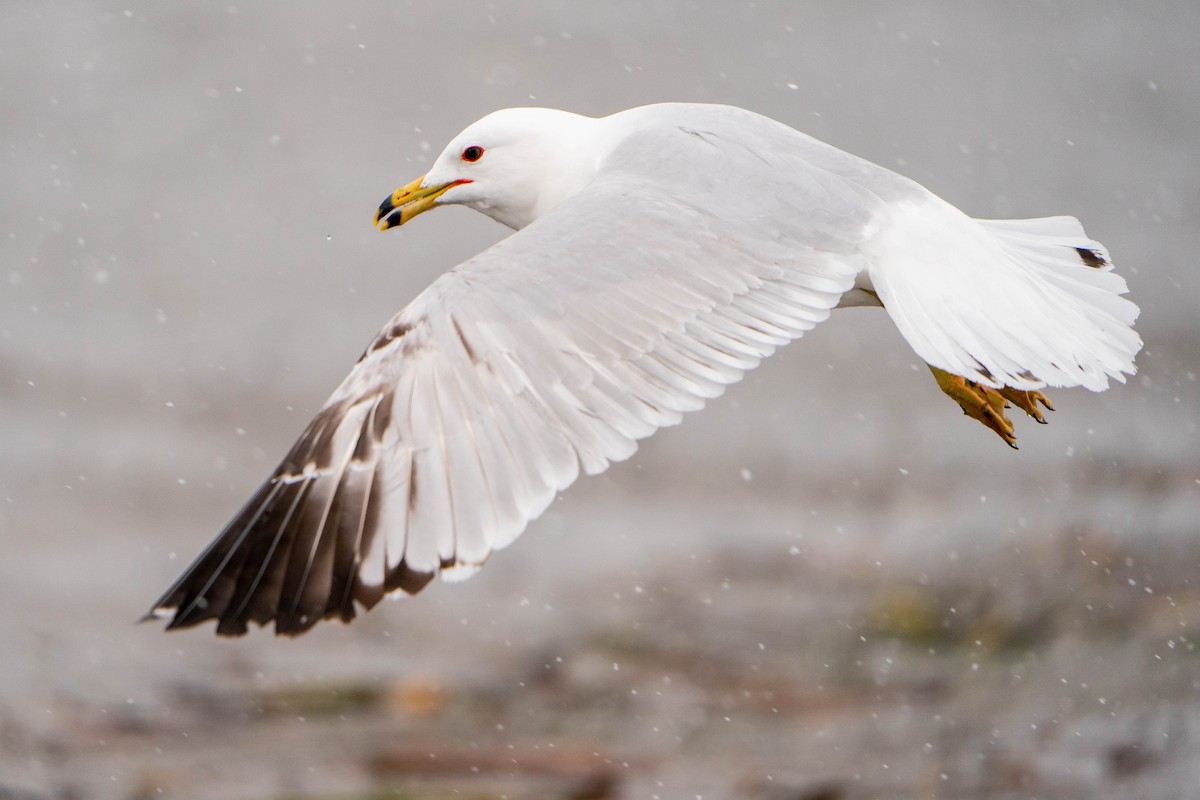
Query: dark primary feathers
{"points": [[292, 553]]}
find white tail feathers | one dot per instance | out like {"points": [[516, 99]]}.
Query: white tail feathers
{"points": [[1022, 303]]}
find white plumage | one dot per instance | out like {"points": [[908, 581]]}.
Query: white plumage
{"points": [[661, 253]]}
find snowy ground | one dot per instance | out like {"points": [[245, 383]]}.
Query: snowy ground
{"points": [[827, 585]]}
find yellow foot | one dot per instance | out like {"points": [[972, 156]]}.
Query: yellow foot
{"points": [[1027, 402], [987, 405]]}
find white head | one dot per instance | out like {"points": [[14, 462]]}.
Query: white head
{"points": [[513, 165]]}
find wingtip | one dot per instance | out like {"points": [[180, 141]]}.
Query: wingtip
{"points": [[149, 616], [156, 613]]}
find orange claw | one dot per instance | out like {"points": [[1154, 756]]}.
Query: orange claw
{"points": [[979, 402], [1028, 402]]}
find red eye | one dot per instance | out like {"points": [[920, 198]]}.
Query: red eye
{"points": [[472, 153]]}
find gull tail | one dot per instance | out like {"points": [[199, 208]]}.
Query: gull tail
{"points": [[1020, 303]]}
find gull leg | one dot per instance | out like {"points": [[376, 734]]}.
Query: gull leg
{"points": [[982, 403]]}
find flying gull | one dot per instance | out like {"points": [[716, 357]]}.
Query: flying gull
{"points": [[660, 253]]}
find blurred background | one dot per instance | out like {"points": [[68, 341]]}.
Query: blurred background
{"points": [[829, 584]]}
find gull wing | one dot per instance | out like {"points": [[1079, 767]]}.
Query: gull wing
{"points": [[551, 353]]}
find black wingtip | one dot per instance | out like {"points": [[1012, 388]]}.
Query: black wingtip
{"points": [[291, 556], [149, 616]]}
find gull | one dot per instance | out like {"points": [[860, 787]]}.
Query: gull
{"points": [[659, 254]]}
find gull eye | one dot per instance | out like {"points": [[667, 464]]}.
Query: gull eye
{"points": [[472, 153]]}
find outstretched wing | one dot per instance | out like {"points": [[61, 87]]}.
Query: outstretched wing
{"points": [[553, 351]]}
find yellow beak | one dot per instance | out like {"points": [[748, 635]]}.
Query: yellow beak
{"points": [[408, 201]]}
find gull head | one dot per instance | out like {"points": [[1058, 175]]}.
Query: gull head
{"points": [[513, 165]]}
